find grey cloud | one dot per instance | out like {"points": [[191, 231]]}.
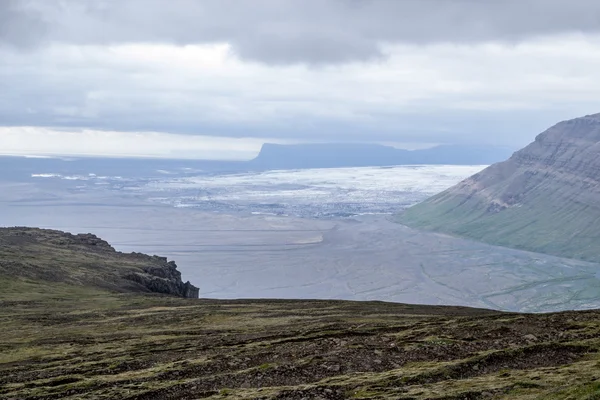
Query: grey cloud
{"points": [[57, 86], [19, 25], [292, 31], [504, 128], [278, 49]]}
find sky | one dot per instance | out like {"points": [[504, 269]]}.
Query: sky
{"points": [[217, 78]]}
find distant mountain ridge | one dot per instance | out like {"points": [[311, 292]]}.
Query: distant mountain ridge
{"points": [[271, 156], [545, 198], [335, 155]]}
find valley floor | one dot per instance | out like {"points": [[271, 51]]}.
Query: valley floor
{"points": [[218, 229], [364, 258], [62, 340]]}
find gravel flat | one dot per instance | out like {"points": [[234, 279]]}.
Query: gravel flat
{"points": [[363, 258]]}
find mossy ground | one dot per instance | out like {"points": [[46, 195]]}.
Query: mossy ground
{"points": [[68, 339], [76, 343]]}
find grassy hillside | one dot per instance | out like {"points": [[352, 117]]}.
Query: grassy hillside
{"points": [[49, 257], [545, 198], [547, 225], [65, 340]]}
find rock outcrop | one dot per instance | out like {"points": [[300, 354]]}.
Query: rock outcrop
{"points": [[545, 198], [164, 278], [85, 259]]}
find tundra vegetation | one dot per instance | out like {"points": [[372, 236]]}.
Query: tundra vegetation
{"points": [[74, 328]]}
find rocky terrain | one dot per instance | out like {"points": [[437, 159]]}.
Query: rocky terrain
{"points": [[545, 198], [51, 256], [73, 327]]}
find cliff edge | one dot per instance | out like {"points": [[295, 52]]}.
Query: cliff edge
{"points": [[52, 256]]}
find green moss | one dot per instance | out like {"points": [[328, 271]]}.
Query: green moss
{"points": [[363, 394], [64, 340], [585, 392]]}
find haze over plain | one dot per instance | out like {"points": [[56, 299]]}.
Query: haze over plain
{"points": [[216, 80]]}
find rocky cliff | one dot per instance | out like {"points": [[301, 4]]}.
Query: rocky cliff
{"points": [[163, 278], [545, 198], [85, 259]]}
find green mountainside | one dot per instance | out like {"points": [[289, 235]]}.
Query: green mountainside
{"points": [[72, 327], [545, 198]]}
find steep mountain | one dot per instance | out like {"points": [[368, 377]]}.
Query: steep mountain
{"points": [[335, 155], [53, 257], [545, 198]]}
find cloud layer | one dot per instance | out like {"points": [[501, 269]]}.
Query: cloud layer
{"points": [[291, 31], [50, 142], [422, 71]]}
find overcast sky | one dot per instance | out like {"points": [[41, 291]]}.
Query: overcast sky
{"points": [[216, 79]]}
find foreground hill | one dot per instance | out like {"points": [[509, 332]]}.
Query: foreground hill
{"points": [[545, 198], [66, 339], [50, 257]]}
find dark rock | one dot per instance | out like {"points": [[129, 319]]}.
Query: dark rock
{"points": [[98, 263], [164, 279]]}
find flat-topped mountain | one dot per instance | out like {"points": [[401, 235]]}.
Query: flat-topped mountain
{"points": [[271, 156], [545, 198], [334, 155], [50, 256]]}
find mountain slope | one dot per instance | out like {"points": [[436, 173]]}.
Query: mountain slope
{"points": [[545, 198]]}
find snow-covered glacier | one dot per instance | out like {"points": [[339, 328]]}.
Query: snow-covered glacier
{"points": [[315, 193], [313, 233]]}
